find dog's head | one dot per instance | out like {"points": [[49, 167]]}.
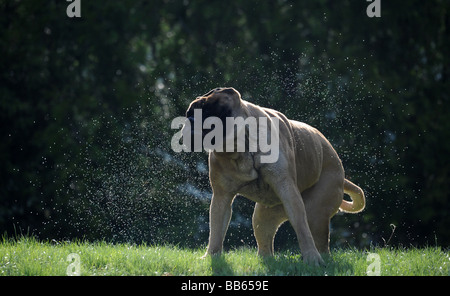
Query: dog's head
{"points": [[220, 102]]}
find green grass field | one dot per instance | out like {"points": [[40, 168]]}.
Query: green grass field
{"points": [[28, 256]]}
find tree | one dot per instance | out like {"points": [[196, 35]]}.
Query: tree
{"points": [[86, 105]]}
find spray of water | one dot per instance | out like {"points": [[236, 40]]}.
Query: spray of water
{"points": [[132, 187]]}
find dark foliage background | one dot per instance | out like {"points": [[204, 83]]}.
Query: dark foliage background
{"points": [[86, 105]]}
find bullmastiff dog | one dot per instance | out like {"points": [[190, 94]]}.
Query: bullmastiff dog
{"points": [[304, 186]]}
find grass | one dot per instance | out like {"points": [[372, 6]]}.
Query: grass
{"points": [[28, 256]]}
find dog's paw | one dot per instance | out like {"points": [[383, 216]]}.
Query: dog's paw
{"points": [[210, 253]]}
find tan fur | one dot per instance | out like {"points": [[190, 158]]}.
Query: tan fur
{"points": [[305, 186]]}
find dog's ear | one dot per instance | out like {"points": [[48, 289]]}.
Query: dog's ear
{"points": [[229, 91], [212, 91], [217, 106], [224, 90], [230, 95], [196, 104]]}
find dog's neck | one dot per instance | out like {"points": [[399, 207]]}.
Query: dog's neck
{"points": [[233, 154], [227, 155], [245, 112], [241, 164]]}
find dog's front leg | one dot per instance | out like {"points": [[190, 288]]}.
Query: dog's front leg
{"points": [[219, 219]]}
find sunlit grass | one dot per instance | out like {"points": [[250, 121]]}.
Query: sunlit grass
{"points": [[28, 256]]}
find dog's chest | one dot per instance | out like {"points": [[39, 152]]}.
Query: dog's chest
{"points": [[241, 175], [242, 170], [250, 184], [260, 192]]}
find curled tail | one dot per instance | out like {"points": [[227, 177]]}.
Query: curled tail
{"points": [[356, 194]]}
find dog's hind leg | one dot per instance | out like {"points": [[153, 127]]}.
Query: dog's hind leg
{"points": [[322, 201], [266, 221]]}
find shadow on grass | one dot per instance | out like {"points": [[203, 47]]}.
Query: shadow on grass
{"points": [[291, 264], [220, 266]]}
